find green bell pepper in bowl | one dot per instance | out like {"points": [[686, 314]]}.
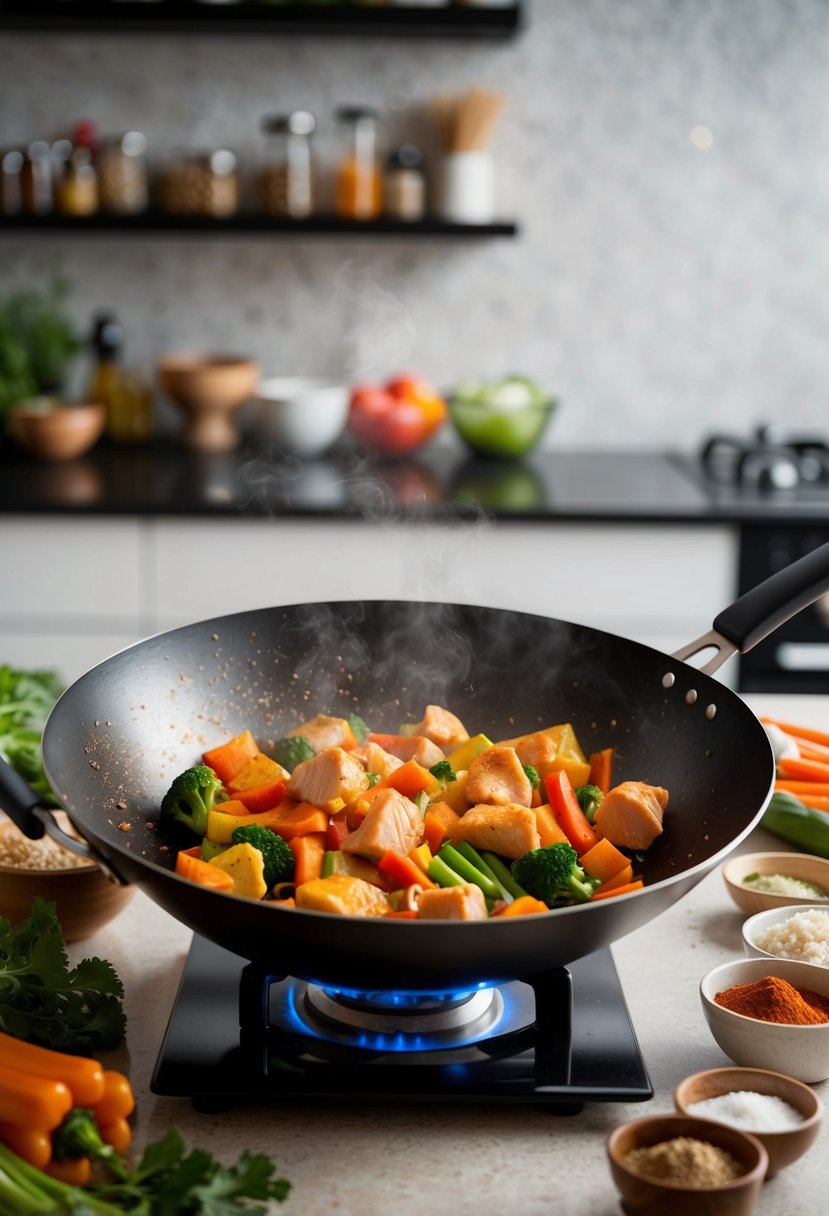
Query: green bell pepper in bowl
{"points": [[502, 418]]}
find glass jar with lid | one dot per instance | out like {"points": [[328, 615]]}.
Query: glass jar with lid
{"points": [[359, 175], [122, 174], [404, 187], [287, 176], [200, 183]]}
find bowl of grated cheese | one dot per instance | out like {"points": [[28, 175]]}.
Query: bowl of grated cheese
{"points": [[85, 899]]}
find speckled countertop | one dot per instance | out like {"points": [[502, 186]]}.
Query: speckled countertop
{"points": [[367, 1159]]}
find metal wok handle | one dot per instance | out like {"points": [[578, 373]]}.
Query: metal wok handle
{"points": [[763, 609], [27, 810]]}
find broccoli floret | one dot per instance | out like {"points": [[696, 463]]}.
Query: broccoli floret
{"points": [[276, 852], [373, 778], [359, 728], [531, 774], [443, 771], [553, 874], [292, 750], [191, 797], [589, 799], [79, 1136]]}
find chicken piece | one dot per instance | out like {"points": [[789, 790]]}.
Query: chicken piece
{"points": [[464, 902], [323, 732], [411, 747], [630, 815], [330, 775], [496, 777], [442, 727], [509, 830], [392, 822], [377, 760], [539, 750], [343, 895]]}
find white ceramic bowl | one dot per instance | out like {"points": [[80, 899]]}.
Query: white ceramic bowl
{"points": [[796, 865], [801, 1052], [758, 924], [301, 415]]}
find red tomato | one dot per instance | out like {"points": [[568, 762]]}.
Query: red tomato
{"points": [[397, 418]]}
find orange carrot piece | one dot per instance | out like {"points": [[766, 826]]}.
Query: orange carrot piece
{"points": [[118, 1100], [403, 870], [260, 797], [803, 770], [85, 1077], [569, 815], [816, 801], [300, 820], [228, 760], [621, 879], [604, 861], [33, 1144], [402, 915], [601, 769], [803, 787], [636, 885], [308, 851], [801, 732], [117, 1133], [548, 828], [409, 779], [29, 1101], [201, 872], [74, 1171], [434, 831], [525, 905]]}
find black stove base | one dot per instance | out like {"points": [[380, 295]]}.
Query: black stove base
{"points": [[560, 1040]]}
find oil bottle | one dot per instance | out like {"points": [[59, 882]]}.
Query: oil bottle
{"points": [[125, 393]]}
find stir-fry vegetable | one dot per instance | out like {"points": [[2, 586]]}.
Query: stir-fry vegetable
{"points": [[427, 823]]}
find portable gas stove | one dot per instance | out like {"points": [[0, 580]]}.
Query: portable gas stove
{"points": [[239, 1031]]}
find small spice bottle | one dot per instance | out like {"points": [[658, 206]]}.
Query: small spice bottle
{"points": [[36, 180], [404, 188], [122, 174], [287, 176], [359, 178], [11, 185], [200, 183], [77, 193]]}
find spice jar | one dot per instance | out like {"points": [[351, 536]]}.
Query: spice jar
{"points": [[359, 180], [200, 183], [11, 185], [36, 181], [404, 189], [287, 177], [122, 174], [77, 193]]}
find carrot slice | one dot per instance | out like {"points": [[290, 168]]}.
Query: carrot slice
{"points": [[636, 885], [403, 870], [308, 851], [196, 870], [803, 787], [621, 879], [604, 861], [803, 770], [601, 769], [228, 760], [525, 905], [802, 732], [434, 831], [816, 801]]}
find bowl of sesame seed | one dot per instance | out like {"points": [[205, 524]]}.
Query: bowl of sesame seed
{"points": [[85, 899]]}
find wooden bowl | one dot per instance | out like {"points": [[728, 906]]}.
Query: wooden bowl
{"points": [[208, 389], [783, 1147], [641, 1193], [49, 431], [804, 866], [84, 897]]}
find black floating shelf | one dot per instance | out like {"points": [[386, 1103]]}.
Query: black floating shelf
{"points": [[248, 17], [246, 225]]}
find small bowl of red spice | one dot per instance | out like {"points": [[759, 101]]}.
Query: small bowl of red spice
{"points": [[772, 1014]]}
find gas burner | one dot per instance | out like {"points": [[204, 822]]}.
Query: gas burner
{"points": [[771, 460], [444, 1021]]}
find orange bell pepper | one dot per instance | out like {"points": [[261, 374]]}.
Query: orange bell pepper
{"points": [[228, 760], [403, 870], [601, 769], [308, 851], [201, 872]]}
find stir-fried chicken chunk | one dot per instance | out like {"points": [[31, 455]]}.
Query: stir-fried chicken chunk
{"points": [[463, 902], [510, 830], [392, 822], [497, 778], [630, 815], [331, 774], [442, 727]]}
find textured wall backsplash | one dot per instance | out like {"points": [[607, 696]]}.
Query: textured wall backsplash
{"points": [[667, 161]]}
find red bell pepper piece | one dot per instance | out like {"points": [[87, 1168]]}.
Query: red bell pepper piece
{"points": [[568, 814], [403, 870], [337, 831]]}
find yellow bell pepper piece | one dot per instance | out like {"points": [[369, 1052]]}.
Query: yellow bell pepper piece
{"points": [[462, 756], [245, 865]]}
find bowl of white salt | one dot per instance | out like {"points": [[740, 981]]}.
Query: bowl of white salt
{"points": [[785, 1115]]}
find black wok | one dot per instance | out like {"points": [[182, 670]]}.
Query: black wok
{"points": [[118, 736]]}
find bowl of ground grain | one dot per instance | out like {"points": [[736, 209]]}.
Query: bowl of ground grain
{"points": [[800, 933], [85, 899], [684, 1166], [770, 1013], [784, 1114], [758, 882]]}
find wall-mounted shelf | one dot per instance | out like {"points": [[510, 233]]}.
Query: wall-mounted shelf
{"points": [[246, 225], [250, 17]]}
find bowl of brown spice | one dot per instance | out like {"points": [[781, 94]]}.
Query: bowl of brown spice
{"points": [[84, 898], [771, 1013], [685, 1166]]}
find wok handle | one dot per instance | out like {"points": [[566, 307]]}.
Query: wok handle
{"points": [[28, 812], [763, 609]]}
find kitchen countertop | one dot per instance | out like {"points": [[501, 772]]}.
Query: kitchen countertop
{"points": [[439, 484], [368, 1159]]}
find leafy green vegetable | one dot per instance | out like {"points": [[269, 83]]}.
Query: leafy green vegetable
{"points": [[168, 1181], [443, 771], [359, 728], [531, 774], [26, 698], [43, 1000], [37, 344]]}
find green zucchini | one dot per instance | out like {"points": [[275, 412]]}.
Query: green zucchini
{"points": [[787, 817]]}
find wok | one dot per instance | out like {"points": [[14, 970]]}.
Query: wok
{"points": [[119, 734]]}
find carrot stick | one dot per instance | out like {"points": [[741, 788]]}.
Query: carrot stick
{"points": [[84, 1077], [815, 736], [308, 851], [601, 769], [29, 1101], [403, 870], [803, 787], [803, 770], [814, 800], [636, 885], [525, 905]]}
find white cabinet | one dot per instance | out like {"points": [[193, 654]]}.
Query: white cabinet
{"points": [[77, 590]]}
